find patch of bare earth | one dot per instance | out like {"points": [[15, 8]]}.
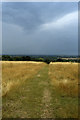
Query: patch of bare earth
{"points": [[47, 110]]}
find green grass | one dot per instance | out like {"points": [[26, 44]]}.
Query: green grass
{"points": [[36, 97]]}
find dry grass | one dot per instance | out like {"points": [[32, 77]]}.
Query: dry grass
{"points": [[38, 90], [64, 76], [14, 73], [21, 62]]}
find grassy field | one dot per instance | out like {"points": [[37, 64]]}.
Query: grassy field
{"points": [[39, 90]]}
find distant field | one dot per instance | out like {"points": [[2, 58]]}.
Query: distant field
{"points": [[71, 58], [39, 90]]}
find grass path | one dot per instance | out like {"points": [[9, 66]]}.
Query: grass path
{"points": [[35, 98], [31, 99], [47, 111]]}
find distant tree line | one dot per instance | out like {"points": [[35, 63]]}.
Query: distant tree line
{"points": [[46, 59]]}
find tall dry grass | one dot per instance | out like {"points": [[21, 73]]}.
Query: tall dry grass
{"points": [[64, 76], [15, 73]]}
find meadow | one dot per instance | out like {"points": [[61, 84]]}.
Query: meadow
{"points": [[39, 90]]}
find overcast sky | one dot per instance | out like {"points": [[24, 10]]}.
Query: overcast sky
{"points": [[40, 28]]}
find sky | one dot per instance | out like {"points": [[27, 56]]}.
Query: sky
{"points": [[40, 28]]}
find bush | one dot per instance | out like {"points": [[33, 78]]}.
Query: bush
{"points": [[47, 61]]}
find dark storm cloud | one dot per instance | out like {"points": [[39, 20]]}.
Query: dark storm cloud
{"points": [[40, 28], [31, 15]]}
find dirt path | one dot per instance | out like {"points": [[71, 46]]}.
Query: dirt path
{"points": [[47, 111], [33, 99]]}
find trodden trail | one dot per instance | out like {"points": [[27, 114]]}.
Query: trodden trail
{"points": [[33, 98]]}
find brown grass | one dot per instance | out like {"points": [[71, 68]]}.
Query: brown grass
{"points": [[15, 73], [64, 77]]}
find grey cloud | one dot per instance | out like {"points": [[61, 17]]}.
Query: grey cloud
{"points": [[53, 41], [31, 15], [20, 19]]}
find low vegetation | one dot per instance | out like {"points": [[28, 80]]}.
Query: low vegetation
{"points": [[47, 59], [15, 73], [64, 77], [39, 90]]}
